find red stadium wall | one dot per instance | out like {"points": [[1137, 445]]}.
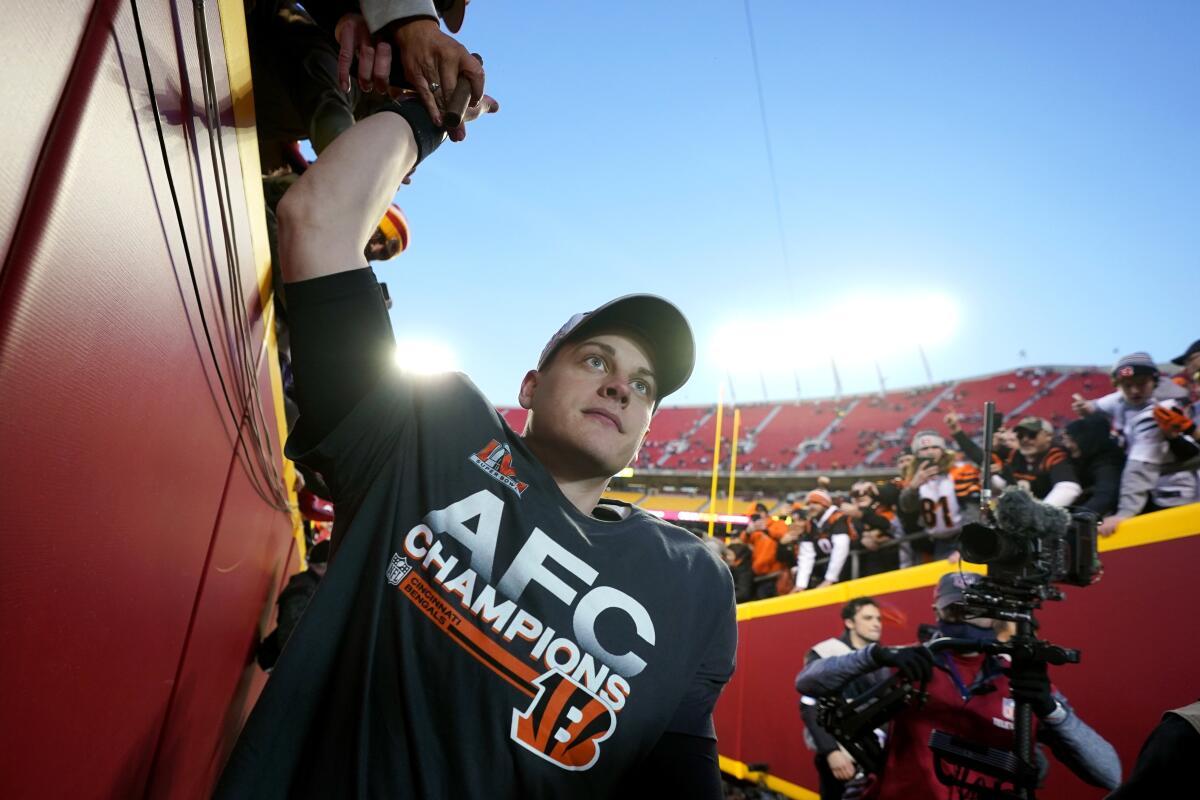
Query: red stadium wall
{"points": [[1133, 628], [140, 561]]}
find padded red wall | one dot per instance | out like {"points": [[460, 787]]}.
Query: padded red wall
{"points": [[1133, 628], [139, 562]]}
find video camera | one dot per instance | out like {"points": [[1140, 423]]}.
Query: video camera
{"points": [[1033, 544], [1029, 547]]}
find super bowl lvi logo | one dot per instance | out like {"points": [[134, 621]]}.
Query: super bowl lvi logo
{"points": [[564, 724]]}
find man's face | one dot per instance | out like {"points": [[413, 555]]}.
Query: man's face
{"points": [[867, 624], [1033, 443], [903, 461], [591, 405], [815, 510], [860, 494], [1136, 389]]}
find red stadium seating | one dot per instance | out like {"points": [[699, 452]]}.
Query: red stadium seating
{"points": [[1041, 391], [795, 423]]}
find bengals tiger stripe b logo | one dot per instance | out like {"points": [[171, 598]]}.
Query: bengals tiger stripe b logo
{"points": [[564, 724]]}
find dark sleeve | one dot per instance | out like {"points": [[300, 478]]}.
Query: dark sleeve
{"points": [[1064, 470], [678, 766], [292, 602], [693, 715], [823, 740], [968, 448], [1167, 761], [872, 520], [1183, 448], [743, 582], [1105, 487], [341, 344]]}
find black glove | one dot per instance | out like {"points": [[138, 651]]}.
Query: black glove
{"points": [[1030, 683], [914, 662]]}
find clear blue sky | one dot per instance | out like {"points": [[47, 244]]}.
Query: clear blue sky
{"points": [[980, 178]]}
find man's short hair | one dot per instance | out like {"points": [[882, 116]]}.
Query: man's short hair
{"points": [[851, 609]]}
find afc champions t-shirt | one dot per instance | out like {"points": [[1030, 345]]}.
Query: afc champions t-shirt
{"points": [[476, 635]]}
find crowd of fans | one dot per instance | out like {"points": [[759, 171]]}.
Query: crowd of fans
{"points": [[1127, 452]]}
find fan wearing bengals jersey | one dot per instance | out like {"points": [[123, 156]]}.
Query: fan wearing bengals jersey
{"points": [[1041, 465], [943, 490]]}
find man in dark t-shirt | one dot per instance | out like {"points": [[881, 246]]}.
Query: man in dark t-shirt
{"points": [[1041, 465], [488, 626]]}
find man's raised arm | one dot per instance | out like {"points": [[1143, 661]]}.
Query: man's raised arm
{"points": [[327, 217], [341, 338]]}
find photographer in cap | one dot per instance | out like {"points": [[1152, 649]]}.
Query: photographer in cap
{"points": [[488, 625], [971, 695], [1151, 416]]}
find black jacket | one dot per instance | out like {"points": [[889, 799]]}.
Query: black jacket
{"points": [[1098, 464]]}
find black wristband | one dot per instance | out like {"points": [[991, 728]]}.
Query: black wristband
{"points": [[428, 135]]}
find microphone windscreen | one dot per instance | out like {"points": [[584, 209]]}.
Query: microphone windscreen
{"points": [[1019, 513]]}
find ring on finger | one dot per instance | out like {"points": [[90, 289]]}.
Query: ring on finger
{"points": [[435, 87]]}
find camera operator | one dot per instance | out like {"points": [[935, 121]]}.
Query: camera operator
{"points": [[971, 695], [862, 625]]}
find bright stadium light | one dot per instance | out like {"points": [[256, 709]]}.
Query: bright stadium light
{"points": [[424, 357]]}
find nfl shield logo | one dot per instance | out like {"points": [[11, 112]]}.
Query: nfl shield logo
{"points": [[1009, 709], [397, 569]]}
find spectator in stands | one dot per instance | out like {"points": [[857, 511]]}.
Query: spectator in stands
{"points": [[1188, 378], [1098, 460], [1041, 466], [771, 576], [830, 532], [943, 490], [1150, 479], [862, 626], [910, 522], [879, 527], [967, 693], [737, 557], [1004, 441], [292, 602]]}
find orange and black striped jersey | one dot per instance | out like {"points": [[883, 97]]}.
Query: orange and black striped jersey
{"points": [[966, 479], [836, 523], [1040, 473]]}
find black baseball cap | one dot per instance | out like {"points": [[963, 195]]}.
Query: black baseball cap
{"points": [[949, 589], [663, 327], [1191, 351]]}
